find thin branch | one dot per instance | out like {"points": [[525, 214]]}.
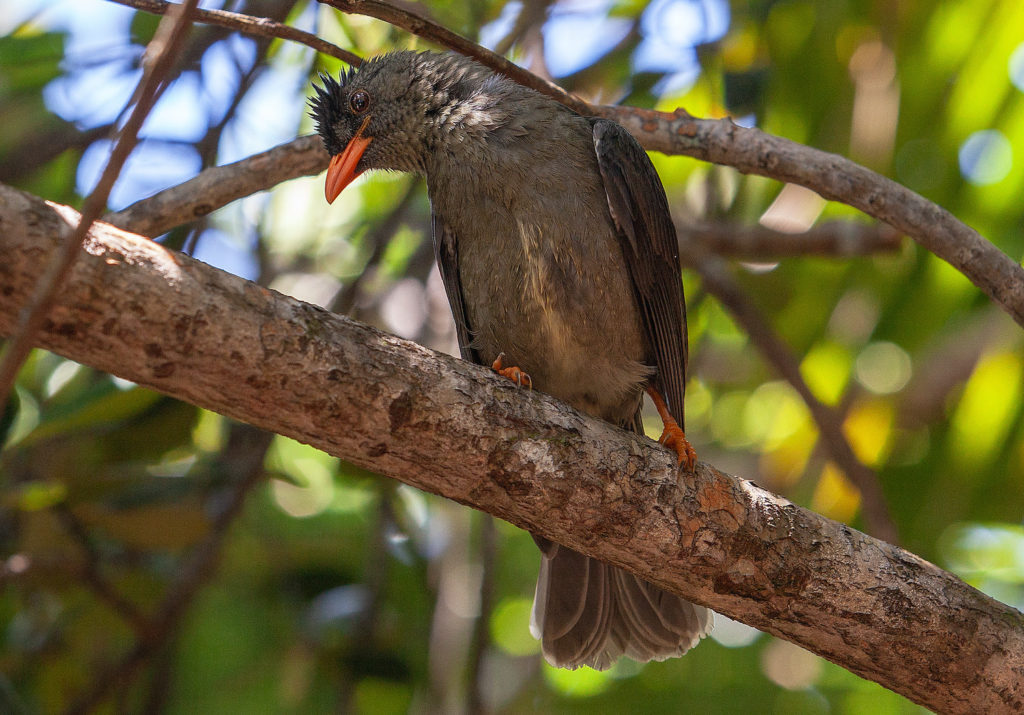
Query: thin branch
{"points": [[751, 151], [418, 24], [487, 550], [249, 25], [160, 53], [720, 283], [220, 185], [443, 425]]}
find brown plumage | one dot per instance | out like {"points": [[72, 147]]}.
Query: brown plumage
{"points": [[556, 248]]}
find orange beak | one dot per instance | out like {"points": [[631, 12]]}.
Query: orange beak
{"points": [[342, 169]]}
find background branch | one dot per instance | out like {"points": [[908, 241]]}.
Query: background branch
{"points": [[446, 426], [831, 239]]}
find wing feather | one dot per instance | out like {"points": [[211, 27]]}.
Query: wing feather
{"points": [[640, 211], [446, 251]]}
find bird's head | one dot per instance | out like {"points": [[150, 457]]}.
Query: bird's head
{"points": [[395, 109]]}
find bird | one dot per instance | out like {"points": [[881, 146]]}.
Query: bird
{"points": [[558, 255]]}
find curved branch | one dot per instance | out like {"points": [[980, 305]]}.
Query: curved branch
{"points": [[751, 151], [166, 321]]}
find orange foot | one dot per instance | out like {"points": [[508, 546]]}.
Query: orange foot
{"points": [[673, 436], [513, 373]]}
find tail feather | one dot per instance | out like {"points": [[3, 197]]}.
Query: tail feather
{"points": [[588, 613]]}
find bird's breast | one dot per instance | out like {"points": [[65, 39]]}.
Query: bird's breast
{"points": [[543, 280]]}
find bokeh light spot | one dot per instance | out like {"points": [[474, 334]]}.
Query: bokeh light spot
{"points": [[986, 157], [1017, 67], [883, 368]]}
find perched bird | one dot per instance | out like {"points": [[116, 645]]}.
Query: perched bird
{"points": [[559, 258]]}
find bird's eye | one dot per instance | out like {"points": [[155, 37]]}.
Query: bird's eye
{"points": [[359, 101]]}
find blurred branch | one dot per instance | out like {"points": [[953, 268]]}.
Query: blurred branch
{"points": [[530, 18], [488, 549], [92, 576], [443, 425], [243, 459], [375, 576], [248, 25], [833, 239], [160, 54], [720, 283], [41, 147], [751, 151]]}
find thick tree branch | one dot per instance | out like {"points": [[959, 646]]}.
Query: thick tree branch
{"points": [[133, 308]]}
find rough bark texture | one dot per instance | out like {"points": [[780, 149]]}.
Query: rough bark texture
{"points": [[159, 318]]}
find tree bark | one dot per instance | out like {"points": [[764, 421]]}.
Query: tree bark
{"points": [[164, 320]]}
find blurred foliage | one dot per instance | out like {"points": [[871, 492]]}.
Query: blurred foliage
{"points": [[334, 589]]}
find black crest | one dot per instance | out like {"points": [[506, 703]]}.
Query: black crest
{"points": [[327, 108]]}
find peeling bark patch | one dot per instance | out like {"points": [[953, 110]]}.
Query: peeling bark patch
{"points": [[64, 330], [181, 326], [153, 350], [795, 582], [507, 471], [898, 606], [164, 370], [399, 412]]}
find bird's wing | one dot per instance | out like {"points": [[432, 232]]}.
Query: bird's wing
{"points": [[639, 209], [446, 252]]}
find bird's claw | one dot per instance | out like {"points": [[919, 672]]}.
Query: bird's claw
{"points": [[673, 435], [674, 438], [512, 372]]}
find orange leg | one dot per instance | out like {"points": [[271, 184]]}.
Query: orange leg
{"points": [[513, 373], [673, 436]]}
